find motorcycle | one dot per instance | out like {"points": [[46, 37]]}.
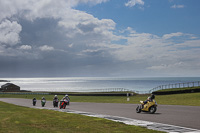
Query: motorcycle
{"points": [[55, 102], [34, 102], [150, 106], [43, 101], [63, 103]]}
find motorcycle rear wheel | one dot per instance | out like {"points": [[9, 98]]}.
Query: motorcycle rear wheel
{"points": [[152, 110]]}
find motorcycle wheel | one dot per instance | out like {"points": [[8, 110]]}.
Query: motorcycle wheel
{"points": [[152, 110], [138, 109], [64, 106]]}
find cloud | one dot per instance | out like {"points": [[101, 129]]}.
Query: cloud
{"points": [[25, 47], [9, 34], [168, 36], [132, 3], [93, 2], [177, 6], [166, 66], [46, 48], [79, 44], [158, 53]]}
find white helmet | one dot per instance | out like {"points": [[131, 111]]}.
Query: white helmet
{"points": [[66, 95], [55, 96]]}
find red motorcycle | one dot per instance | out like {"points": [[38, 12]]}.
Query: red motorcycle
{"points": [[63, 103]]}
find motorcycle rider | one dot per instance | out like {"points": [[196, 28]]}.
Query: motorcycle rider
{"points": [[43, 98], [149, 99], [146, 101], [34, 101], [43, 101], [55, 99], [67, 97]]}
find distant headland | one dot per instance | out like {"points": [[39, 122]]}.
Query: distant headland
{"points": [[4, 81]]}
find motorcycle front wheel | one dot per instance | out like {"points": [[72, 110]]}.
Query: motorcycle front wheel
{"points": [[138, 109]]}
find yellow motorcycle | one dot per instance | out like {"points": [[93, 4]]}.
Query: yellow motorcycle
{"points": [[150, 106]]}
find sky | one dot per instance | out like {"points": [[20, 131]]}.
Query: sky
{"points": [[99, 38]]}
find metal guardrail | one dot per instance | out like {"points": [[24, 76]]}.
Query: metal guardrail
{"points": [[25, 93], [177, 85], [108, 90]]}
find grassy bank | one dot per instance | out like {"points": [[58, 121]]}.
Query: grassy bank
{"points": [[22, 120], [178, 89], [191, 99]]}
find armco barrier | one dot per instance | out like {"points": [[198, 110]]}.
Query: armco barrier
{"points": [[176, 92], [24, 93]]}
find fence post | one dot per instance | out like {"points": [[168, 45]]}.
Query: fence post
{"points": [[128, 99]]}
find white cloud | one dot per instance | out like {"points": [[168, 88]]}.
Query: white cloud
{"points": [[46, 48], [168, 36], [132, 3], [177, 6], [83, 34], [10, 32], [70, 20], [158, 53], [189, 43], [25, 47], [72, 23], [167, 66], [93, 2]]}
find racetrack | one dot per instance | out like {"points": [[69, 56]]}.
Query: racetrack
{"points": [[184, 116]]}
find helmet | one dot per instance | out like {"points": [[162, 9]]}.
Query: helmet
{"points": [[55, 96], [66, 95]]}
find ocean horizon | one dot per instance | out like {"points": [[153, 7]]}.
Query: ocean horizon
{"points": [[88, 84]]}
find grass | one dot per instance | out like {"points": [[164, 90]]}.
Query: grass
{"points": [[178, 89], [22, 120], [188, 99]]}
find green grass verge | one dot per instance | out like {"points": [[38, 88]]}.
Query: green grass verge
{"points": [[189, 99], [18, 119], [178, 89]]}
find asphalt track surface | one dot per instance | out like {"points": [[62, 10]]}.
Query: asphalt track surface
{"points": [[184, 116]]}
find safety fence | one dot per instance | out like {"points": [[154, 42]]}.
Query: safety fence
{"points": [[25, 93], [108, 90], [177, 85]]}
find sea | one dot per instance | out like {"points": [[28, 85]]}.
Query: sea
{"points": [[95, 84]]}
